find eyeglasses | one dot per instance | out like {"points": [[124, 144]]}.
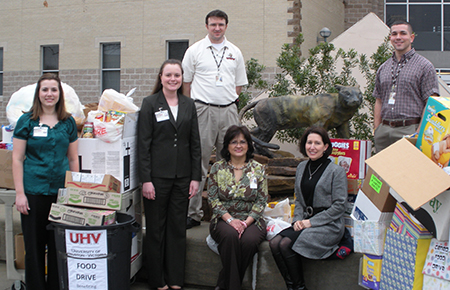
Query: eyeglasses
{"points": [[235, 142]]}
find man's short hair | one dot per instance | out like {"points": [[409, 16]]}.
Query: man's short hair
{"points": [[217, 13], [400, 22]]}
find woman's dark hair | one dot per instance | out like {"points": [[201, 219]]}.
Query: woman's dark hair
{"points": [[317, 130], [231, 133], [158, 84], [60, 107]]}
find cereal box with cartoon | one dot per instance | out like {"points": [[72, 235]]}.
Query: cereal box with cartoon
{"points": [[434, 134]]}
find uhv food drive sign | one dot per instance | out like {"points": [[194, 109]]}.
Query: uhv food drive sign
{"points": [[87, 265]]}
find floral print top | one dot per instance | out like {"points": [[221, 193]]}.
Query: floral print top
{"points": [[239, 199]]}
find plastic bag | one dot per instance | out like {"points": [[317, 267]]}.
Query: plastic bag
{"points": [[275, 226], [281, 210], [112, 100], [22, 100]]}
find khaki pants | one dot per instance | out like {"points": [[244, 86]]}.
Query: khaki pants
{"points": [[213, 122], [386, 135]]}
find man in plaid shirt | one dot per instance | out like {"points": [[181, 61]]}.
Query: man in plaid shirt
{"points": [[403, 84]]}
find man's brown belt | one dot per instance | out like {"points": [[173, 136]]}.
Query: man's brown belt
{"points": [[401, 123]]}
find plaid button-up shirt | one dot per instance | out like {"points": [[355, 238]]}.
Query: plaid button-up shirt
{"points": [[415, 82]]}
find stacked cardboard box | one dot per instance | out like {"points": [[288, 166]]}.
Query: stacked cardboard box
{"points": [[78, 204], [420, 186]]}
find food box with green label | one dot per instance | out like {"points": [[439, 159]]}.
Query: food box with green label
{"points": [[90, 198], [80, 216], [377, 190]]}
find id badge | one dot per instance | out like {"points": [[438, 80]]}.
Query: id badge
{"points": [[254, 183], [219, 80], [40, 131], [392, 98], [162, 115]]}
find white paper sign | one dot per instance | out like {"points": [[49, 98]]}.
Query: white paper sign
{"points": [[88, 274], [87, 265]]}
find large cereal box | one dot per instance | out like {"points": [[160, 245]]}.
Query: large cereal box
{"points": [[350, 155], [434, 134]]}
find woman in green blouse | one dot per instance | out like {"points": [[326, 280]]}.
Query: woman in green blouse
{"points": [[237, 193], [45, 147]]}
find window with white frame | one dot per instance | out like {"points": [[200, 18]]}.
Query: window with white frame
{"points": [[110, 66], [50, 58], [1, 71], [176, 48], [429, 19]]}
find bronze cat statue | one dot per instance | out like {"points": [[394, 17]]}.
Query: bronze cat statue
{"points": [[286, 112]]}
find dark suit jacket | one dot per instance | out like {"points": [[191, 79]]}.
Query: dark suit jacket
{"points": [[168, 149]]}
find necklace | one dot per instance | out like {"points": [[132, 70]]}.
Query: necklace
{"points": [[237, 168], [309, 169]]}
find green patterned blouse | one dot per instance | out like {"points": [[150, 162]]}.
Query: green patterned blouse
{"points": [[239, 199]]}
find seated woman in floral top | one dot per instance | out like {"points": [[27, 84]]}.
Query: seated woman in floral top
{"points": [[237, 193]]}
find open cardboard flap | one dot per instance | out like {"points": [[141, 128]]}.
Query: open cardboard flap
{"points": [[410, 173]]}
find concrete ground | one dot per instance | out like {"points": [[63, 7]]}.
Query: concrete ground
{"points": [[6, 284]]}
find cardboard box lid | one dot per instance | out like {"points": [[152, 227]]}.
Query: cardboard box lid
{"points": [[410, 173]]}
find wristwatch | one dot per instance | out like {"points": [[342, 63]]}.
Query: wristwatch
{"points": [[230, 219]]}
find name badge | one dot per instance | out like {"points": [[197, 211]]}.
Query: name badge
{"points": [[391, 100], [40, 131], [162, 115], [219, 80], [253, 182]]}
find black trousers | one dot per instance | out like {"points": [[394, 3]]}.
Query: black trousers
{"points": [[236, 253], [165, 221], [36, 237]]}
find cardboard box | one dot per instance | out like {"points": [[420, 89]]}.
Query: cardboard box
{"points": [[6, 177], [371, 271], [417, 181], [353, 186], [132, 205], [364, 210], [89, 198], [101, 182], [118, 159], [377, 190], [434, 130], [80, 216], [415, 178], [20, 251], [351, 154]]}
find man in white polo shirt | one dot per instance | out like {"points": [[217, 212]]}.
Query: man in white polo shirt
{"points": [[214, 73]]}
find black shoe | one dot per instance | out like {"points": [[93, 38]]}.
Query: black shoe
{"points": [[190, 223]]}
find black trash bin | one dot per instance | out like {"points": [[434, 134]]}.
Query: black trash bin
{"points": [[88, 264]]}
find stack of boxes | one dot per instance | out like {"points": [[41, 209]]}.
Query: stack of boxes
{"points": [[417, 182], [118, 159], [95, 196]]}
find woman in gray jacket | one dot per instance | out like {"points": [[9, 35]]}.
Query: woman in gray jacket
{"points": [[318, 224]]}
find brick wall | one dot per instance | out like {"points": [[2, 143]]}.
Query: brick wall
{"points": [[357, 9]]}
